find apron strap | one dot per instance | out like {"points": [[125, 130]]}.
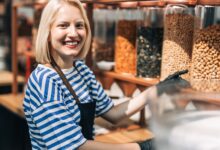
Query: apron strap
{"points": [[65, 81]]}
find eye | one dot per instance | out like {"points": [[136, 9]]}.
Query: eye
{"points": [[80, 25], [63, 25]]}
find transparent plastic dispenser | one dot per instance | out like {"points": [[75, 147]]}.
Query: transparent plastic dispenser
{"points": [[178, 39], [149, 40], [125, 48], [205, 72]]}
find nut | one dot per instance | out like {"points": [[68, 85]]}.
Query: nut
{"points": [[177, 44], [205, 71]]}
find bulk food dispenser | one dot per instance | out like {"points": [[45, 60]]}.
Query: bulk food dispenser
{"points": [[104, 35], [205, 72], [178, 39], [150, 39], [125, 49]]}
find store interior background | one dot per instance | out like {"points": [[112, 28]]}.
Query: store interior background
{"points": [[13, 128]]}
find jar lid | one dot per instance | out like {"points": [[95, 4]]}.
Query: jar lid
{"points": [[151, 3], [209, 2], [128, 4], [187, 2]]}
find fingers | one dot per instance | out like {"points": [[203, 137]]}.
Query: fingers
{"points": [[176, 74]]}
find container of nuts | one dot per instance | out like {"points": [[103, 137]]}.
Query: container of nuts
{"points": [[125, 49], [178, 39], [205, 71], [149, 40]]}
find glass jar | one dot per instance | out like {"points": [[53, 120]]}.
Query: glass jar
{"points": [[178, 39], [125, 49], [149, 40], [104, 34], [205, 72]]}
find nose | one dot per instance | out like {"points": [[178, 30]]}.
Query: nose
{"points": [[72, 31]]}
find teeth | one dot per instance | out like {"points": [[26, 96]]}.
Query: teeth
{"points": [[71, 43]]}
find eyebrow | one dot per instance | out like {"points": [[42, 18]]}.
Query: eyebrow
{"points": [[77, 21], [80, 21]]}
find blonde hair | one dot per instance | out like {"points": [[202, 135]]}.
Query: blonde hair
{"points": [[48, 17]]}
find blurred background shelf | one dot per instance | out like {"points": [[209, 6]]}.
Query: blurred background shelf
{"points": [[13, 103], [6, 78], [128, 83]]}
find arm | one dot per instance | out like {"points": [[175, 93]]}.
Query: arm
{"points": [[128, 108], [171, 84], [93, 145]]}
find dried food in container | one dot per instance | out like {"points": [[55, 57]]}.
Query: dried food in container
{"points": [[205, 71], [178, 39], [149, 42], [125, 49]]}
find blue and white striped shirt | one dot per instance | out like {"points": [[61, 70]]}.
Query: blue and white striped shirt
{"points": [[51, 112]]}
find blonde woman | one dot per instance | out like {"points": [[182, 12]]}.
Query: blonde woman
{"points": [[62, 96]]}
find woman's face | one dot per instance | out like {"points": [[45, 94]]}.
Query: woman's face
{"points": [[68, 32]]}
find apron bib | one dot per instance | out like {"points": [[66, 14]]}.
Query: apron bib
{"points": [[87, 112]]}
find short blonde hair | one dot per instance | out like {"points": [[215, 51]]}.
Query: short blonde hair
{"points": [[47, 18]]}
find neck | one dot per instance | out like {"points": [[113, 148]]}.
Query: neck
{"points": [[64, 63]]}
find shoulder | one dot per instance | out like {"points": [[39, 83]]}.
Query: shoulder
{"points": [[42, 75], [43, 81], [83, 69], [81, 66]]}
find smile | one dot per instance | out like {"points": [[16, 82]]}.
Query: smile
{"points": [[71, 44]]}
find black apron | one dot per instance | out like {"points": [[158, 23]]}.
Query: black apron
{"points": [[87, 110], [87, 118]]}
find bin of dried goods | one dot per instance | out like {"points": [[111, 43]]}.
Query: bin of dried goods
{"points": [[205, 71], [149, 40], [125, 49], [104, 34], [178, 39]]}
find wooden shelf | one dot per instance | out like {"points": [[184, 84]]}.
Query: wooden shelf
{"points": [[125, 136], [6, 78], [13, 103], [128, 83], [210, 99], [108, 1]]}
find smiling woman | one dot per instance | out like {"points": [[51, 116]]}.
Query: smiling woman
{"points": [[63, 97]]}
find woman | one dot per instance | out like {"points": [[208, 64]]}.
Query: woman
{"points": [[60, 115]]}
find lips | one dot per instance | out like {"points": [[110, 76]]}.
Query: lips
{"points": [[71, 44]]}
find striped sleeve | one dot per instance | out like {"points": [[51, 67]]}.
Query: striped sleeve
{"points": [[56, 126], [103, 101]]}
